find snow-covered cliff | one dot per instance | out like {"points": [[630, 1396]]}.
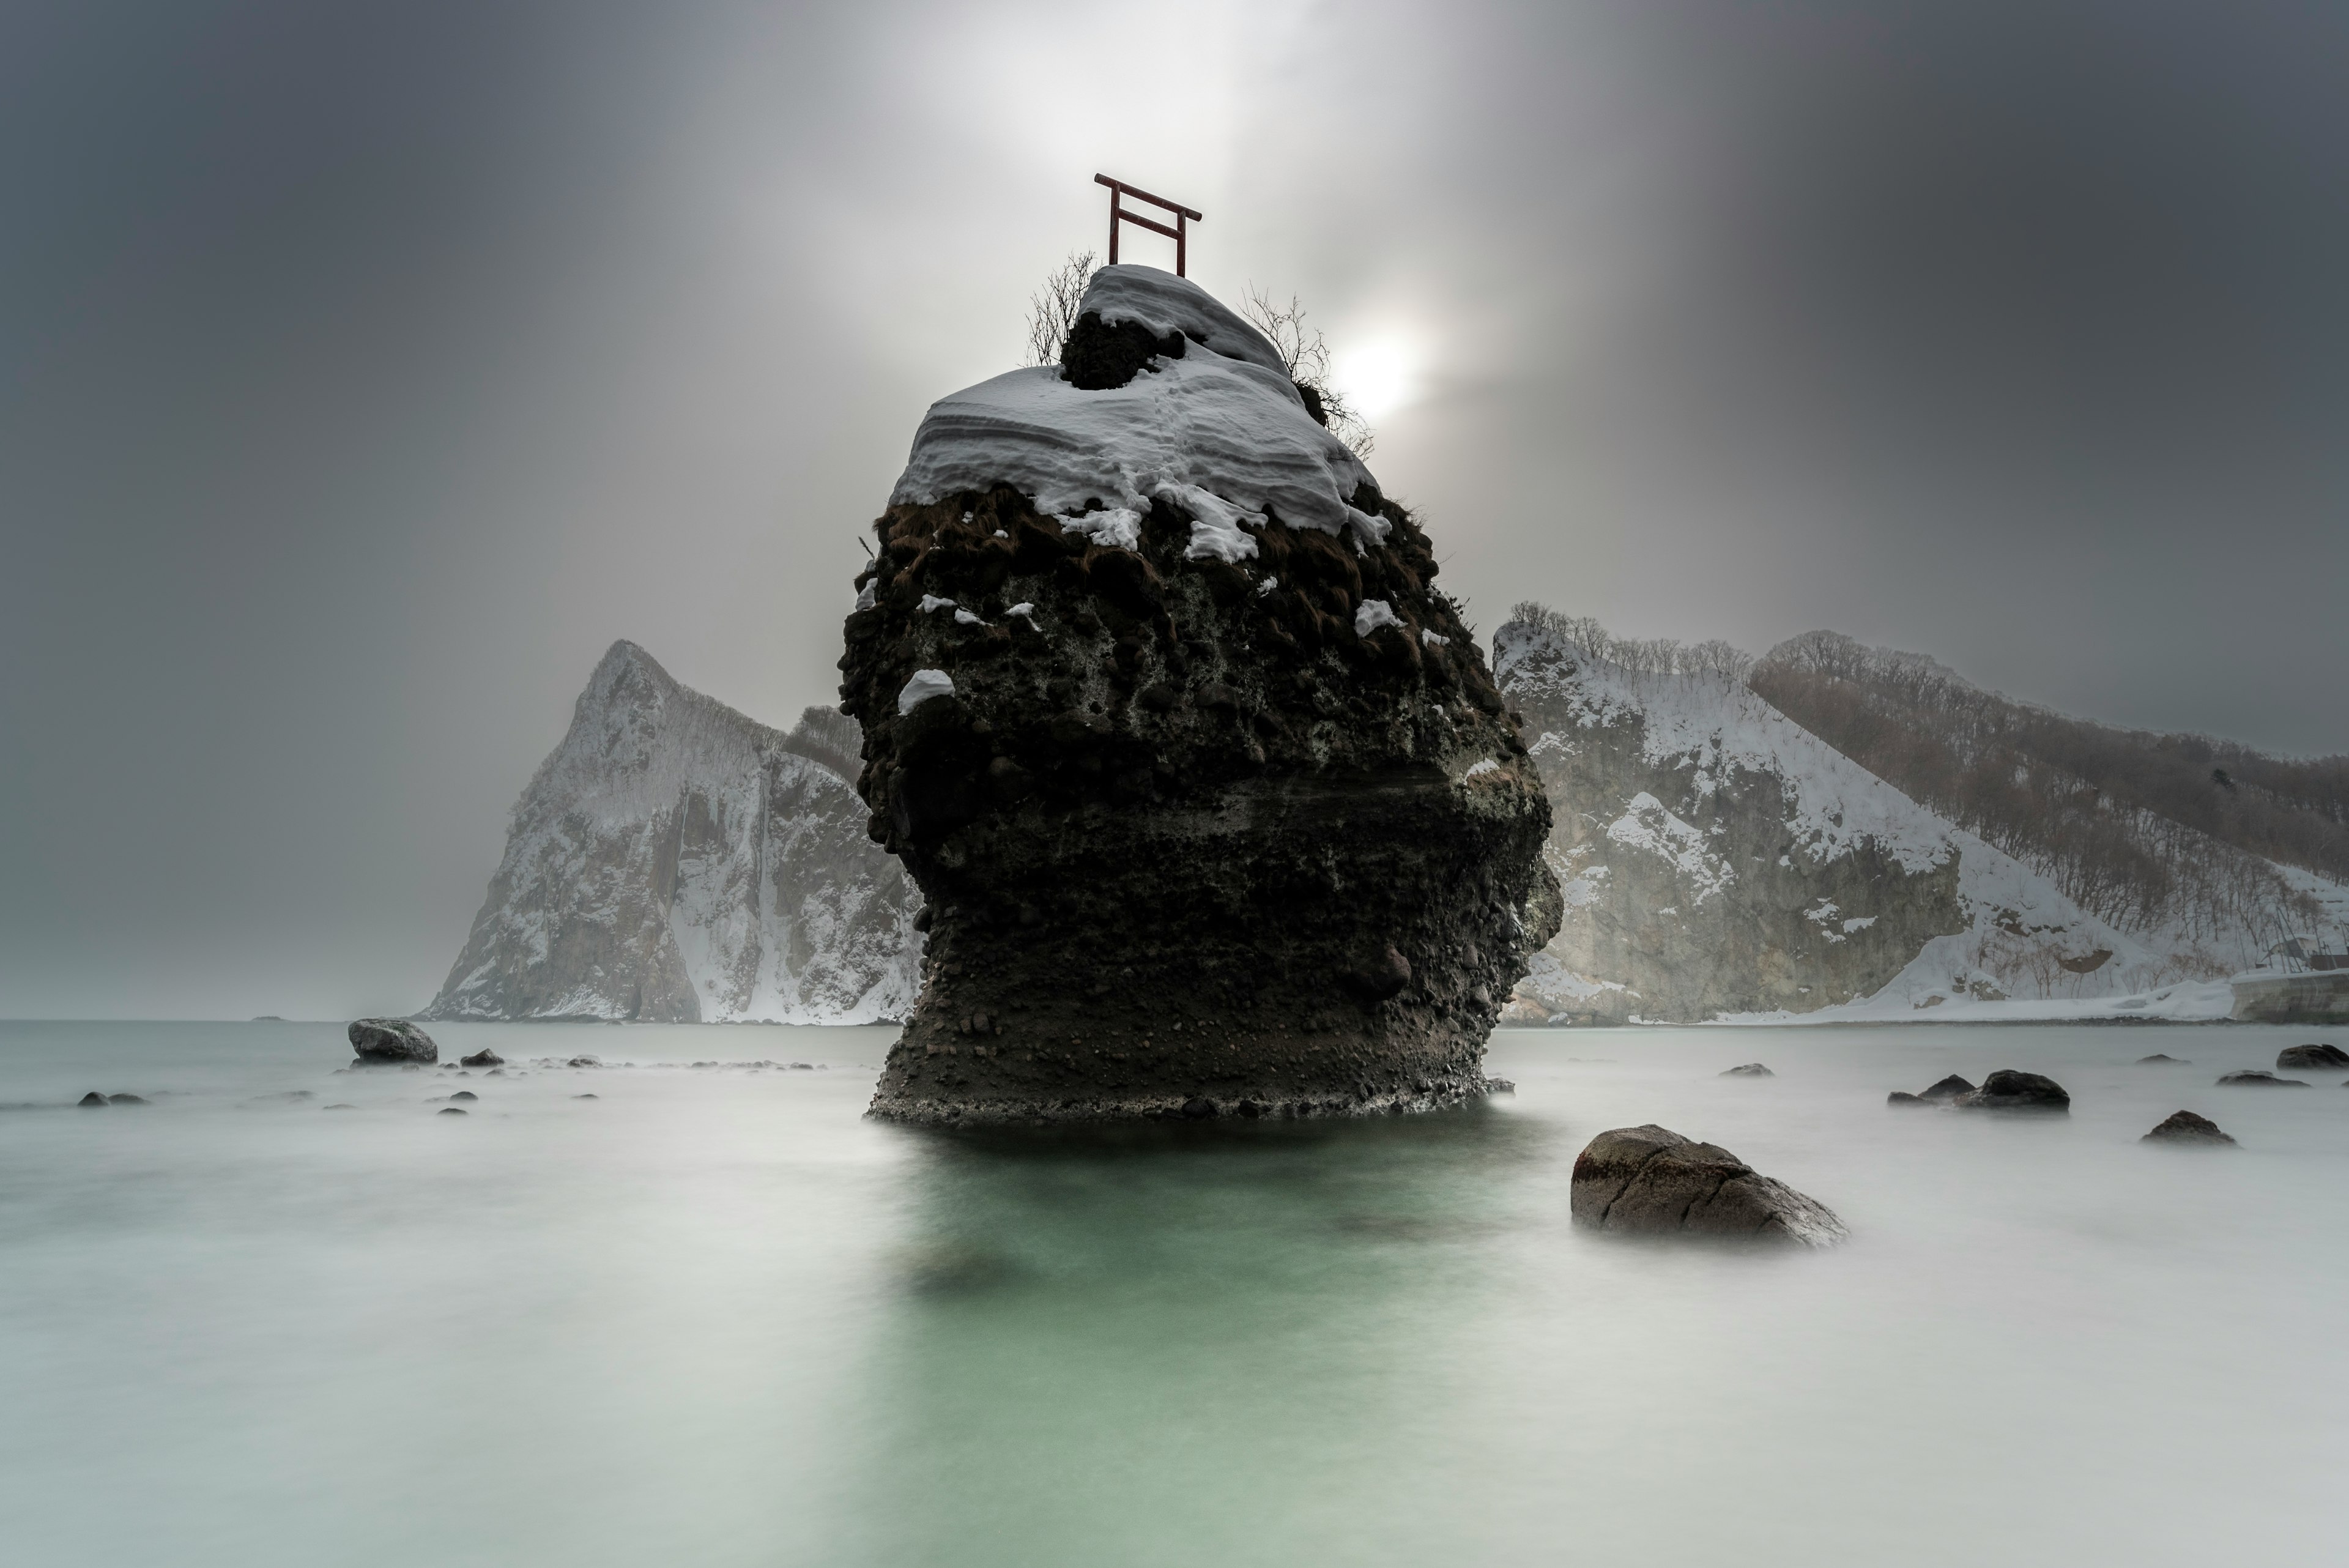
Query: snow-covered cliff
{"points": [[1719, 860], [674, 861]]}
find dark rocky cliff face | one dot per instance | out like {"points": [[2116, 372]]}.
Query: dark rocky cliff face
{"points": [[1715, 857], [1184, 840]]}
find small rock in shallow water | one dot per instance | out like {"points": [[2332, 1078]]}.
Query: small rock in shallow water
{"points": [[1949, 1088], [2259, 1080], [586, 1062], [339, 1107], [587, 1096], [92, 1098], [1903, 1097], [484, 1057], [2008, 1090], [1198, 1109], [2187, 1128], [392, 1040], [1651, 1179], [1499, 1087], [464, 1095], [1751, 1070], [450, 1111], [124, 1100], [2317, 1057], [2161, 1059]]}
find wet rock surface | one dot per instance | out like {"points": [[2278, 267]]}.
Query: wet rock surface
{"points": [[391, 1041], [2186, 1128], [1199, 824], [2320, 1057], [2008, 1090], [2259, 1078], [1652, 1180]]}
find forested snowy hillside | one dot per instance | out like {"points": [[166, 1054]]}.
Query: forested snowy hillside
{"points": [[1721, 860]]}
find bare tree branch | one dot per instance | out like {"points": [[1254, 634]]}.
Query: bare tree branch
{"points": [[1052, 310], [1306, 357]]}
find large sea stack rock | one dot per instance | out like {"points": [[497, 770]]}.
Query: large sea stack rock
{"points": [[1651, 1179], [1213, 800], [392, 1042]]}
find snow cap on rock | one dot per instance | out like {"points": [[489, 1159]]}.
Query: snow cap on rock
{"points": [[1221, 432]]}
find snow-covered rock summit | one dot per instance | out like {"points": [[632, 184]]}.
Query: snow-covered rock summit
{"points": [[1718, 860], [1209, 423], [675, 861]]}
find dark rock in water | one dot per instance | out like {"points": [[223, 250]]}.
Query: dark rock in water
{"points": [[484, 1057], [585, 1061], [1198, 1109], [1209, 791], [1651, 1179], [2185, 1126], [1949, 1088], [92, 1098], [2317, 1057], [464, 1095], [1902, 1097], [452, 1111], [2008, 1090], [2259, 1079], [338, 1106], [2161, 1058], [1751, 1070], [124, 1100], [392, 1040], [587, 1096], [1499, 1087]]}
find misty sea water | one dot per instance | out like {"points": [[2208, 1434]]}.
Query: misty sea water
{"points": [[714, 1317]]}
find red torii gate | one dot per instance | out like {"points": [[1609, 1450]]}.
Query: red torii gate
{"points": [[1184, 217]]}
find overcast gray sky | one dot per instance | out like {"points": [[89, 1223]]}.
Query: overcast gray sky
{"points": [[364, 371]]}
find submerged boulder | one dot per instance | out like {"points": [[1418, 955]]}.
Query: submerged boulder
{"points": [[1652, 1180], [1209, 792], [2008, 1090], [2317, 1057], [1946, 1091], [2163, 1059], [2185, 1126], [1751, 1070], [392, 1040], [484, 1057], [2259, 1078]]}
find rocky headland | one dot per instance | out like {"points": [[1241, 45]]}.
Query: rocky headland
{"points": [[1213, 802], [674, 861]]}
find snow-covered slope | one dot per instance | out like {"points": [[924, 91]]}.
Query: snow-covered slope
{"points": [[1718, 860], [675, 861], [1221, 430]]}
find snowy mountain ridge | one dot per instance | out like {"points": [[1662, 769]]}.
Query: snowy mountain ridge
{"points": [[1719, 861], [673, 860]]}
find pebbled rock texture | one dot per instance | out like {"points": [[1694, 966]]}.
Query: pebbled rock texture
{"points": [[2185, 1126], [1651, 1179], [2008, 1090], [2259, 1079], [391, 1041], [1197, 837]]}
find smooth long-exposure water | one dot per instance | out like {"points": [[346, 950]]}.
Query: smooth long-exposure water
{"points": [[712, 1316]]}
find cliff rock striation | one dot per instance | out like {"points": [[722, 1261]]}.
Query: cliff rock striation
{"points": [[1719, 860], [1214, 805], [673, 861]]}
